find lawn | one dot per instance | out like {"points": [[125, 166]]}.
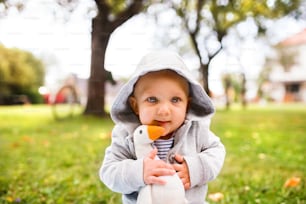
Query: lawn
{"points": [[44, 160]]}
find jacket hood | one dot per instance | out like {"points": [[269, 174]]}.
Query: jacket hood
{"points": [[200, 104]]}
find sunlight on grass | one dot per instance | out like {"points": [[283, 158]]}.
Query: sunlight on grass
{"points": [[44, 160]]}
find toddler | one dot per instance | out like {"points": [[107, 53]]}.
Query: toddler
{"points": [[163, 92]]}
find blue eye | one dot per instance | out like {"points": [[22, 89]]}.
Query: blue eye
{"points": [[176, 99], [152, 99]]}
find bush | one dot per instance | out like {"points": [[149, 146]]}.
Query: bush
{"points": [[21, 74]]}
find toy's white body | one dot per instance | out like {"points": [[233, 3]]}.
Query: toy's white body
{"points": [[172, 192]]}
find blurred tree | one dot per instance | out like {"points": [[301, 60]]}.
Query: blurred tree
{"points": [[5, 5], [227, 84], [21, 73], [286, 56], [234, 86], [263, 79], [210, 20], [110, 14]]}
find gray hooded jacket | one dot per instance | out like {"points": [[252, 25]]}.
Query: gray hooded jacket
{"points": [[202, 150]]}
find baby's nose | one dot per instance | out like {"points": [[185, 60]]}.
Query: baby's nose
{"points": [[164, 109]]}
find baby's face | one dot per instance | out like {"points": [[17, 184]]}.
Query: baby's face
{"points": [[161, 98]]}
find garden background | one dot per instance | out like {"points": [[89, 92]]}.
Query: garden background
{"points": [[62, 63], [44, 160]]}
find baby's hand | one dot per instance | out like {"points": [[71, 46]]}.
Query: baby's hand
{"points": [[182, 170], [152, 169]]}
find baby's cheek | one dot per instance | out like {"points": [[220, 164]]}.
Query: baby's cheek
{"points": [[146, 118]]}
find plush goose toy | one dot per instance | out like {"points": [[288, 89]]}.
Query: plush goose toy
{"points": [[173, 191]]}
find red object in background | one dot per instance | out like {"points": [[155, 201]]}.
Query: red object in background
{"points": [[46, 98], [60, 98]]}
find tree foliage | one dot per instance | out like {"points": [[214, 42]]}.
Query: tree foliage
{"points": [[21, 73], [5, 5], [219, 16], [110, 14]]}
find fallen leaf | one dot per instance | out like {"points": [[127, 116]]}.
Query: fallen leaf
{"points": [[15, 145], [27, 139], [216, 197], [46, 143], [9, 199], [292, 182]]}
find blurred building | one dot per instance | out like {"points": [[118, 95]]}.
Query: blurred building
{"points": [[288, 81]]}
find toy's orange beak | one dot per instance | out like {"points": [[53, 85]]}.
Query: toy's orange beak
{"points": [[155, 132]]}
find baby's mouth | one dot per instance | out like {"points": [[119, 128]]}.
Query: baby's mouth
{"points": [[162, 123]]}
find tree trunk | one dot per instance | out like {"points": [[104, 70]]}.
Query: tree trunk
{"points": [[96, 89], [228, 85], [102, 28], [203, 67], [243, 91], [204, 71]]}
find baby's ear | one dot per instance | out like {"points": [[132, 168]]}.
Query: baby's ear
{"points": [[133, 104]]}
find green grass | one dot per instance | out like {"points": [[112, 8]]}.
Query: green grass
{"points": [[49, 161], [265, 147]]}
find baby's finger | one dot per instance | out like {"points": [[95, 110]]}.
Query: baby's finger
{"points": [[155, 180], [153, 153], [181, 175], [162, 164], [187, 186], [177, 167], [163, 172], [179, 158]]}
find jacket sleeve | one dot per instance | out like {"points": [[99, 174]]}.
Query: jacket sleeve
{"points": [[207, 163], [120, 171]]}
